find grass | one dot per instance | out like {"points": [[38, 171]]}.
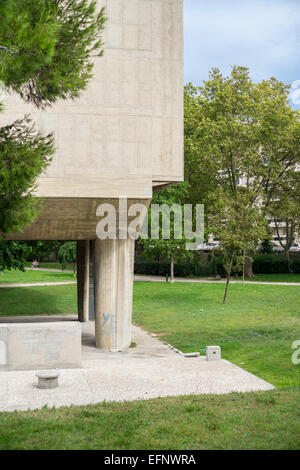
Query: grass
{"points": [[47, 265], [255, 329], [263, 420], [38, 300], [276, 278], [28, 276], [286, 277]]}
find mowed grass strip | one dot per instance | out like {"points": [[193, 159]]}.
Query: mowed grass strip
{"points": [[48, 300], [287, 277], [49, 265], [255, 329], [30, 276], [263, 420]]}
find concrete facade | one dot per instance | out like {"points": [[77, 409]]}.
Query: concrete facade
{"points": [[124, 135], [121, 138], [40, 345]]}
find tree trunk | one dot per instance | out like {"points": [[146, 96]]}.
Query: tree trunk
{"points": [[248, 267], [287, 255], [226, 289], [172, 270], [228, 278]]}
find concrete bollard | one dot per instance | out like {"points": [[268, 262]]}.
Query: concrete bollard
{"points": [[47, 379], [213, 353]]}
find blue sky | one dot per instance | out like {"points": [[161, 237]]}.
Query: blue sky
{"points": [[263, 35]]}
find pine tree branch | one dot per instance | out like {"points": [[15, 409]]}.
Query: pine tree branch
{"points": [[7, 49]]}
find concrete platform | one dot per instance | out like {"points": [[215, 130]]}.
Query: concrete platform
{"points": [[149, 370], [40, 345]]}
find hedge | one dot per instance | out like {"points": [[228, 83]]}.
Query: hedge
{"points": [[157, 268], [262, 264], [270, 264], [295, 266]]}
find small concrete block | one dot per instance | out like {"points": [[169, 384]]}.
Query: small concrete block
{"points": [[47, 379], [213, 353], [192, 354]]}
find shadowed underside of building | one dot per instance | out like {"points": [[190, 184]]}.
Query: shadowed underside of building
{"points": [[120, 139]]}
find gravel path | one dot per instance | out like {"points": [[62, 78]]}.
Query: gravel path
{"points": [[40, 284], [142, 278]]}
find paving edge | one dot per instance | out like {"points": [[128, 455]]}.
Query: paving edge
{"points": [[192, 354]]}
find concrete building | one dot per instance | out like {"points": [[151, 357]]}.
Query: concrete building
{"points": [[120, 139]]}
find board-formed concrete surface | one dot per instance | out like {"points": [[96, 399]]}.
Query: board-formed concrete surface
{"points": [[149, 370], [35, 345]]}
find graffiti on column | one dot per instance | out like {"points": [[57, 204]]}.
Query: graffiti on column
{"points": [[109, 323]]}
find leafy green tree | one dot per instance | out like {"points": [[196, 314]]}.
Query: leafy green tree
{"points": [[46, 47], [13, 255], [266, 245], [67, 255], [172, 249], [240, 226], [243, 142], [42, 248], [284, 212]]}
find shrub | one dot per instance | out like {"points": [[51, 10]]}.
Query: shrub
{"points": [[295, 266], [159, 268], [270, 264], [67, 255]]}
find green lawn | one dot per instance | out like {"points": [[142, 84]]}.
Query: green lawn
{"points": [[276, 278], [28, 276], [48, 265], [265, 420], [288, 277], [255, 330], [38, 300]]}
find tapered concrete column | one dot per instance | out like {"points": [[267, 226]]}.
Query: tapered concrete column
{"points": [[113, 288], [83, 264]]}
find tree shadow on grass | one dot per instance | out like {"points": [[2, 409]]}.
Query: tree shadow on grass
{"points": [[38, 300]]}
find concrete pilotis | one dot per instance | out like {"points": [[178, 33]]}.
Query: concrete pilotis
{"points": [[113, 289], [83, 260]]}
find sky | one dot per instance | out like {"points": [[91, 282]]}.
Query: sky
{"points": [[263, 35]]}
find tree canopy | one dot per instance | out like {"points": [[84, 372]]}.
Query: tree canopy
{"points": [[242, 154], [242, 148], [47, 46]]}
